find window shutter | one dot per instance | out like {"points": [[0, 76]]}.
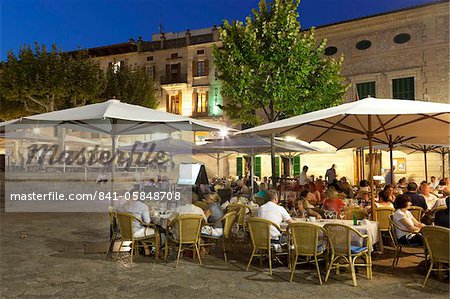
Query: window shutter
{"points": [[277, 167], [207, 102], [168, 72], [206, 67], [194, 102], [194, 68], [296, 166], [257, 166], [239, 166]]}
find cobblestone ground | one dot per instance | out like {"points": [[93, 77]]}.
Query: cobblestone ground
{"points": [[42, 256]]}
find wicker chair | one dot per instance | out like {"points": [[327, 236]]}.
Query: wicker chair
{"points": [[340, 238], [417, 212], [242, 211], [436, 239], [360, 213], [260, 234], [228, 220], [188, 236], [398, 246], [306, 242], [382, 216], [125, 221]]}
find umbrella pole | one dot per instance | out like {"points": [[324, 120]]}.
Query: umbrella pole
{"points": [[113, 164], [391, 159], [425, 160], [218, 165], [272, 160], [252, 171], [372, 195], [443, 164]]}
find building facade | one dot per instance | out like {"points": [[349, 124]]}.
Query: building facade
{"points": [[402, 54]]}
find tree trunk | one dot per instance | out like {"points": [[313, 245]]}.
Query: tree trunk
{"points": [[272, 160]]}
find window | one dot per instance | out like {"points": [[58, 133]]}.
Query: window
{"points": [[199, 52], [330, 51], [402, 38], [174, 55], [363, 45], [200, 68], [365, 89], [115, 66], [149, 58], [403, 88], [175, 104], [202, 103]]}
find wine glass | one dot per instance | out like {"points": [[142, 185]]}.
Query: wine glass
{"points": [[342, 214]]}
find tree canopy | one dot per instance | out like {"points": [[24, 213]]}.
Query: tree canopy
{"points": [[40, 80], [133, 85], [268, 64]]}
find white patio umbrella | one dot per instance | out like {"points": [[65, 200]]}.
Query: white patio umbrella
{"points": [[253, 145], [115, 118], [368, 121]]}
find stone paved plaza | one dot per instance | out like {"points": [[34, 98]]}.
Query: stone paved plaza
{"points": [[42, 256]]}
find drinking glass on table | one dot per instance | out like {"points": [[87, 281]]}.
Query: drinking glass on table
{"points": [[342, 214], [305, 214]]}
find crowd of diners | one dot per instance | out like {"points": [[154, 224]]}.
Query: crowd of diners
{"points": [[311, 198]]}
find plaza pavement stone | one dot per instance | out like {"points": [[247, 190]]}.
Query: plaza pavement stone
{"points": [[42, 256]]}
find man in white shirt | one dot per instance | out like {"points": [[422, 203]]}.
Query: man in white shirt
{"points": [[434, 183], [273, 212], [430, 198], [303, 179]]}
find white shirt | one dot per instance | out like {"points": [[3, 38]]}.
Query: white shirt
{"points": [[431, 200], [434, 184], [275, 213], [303, 179], [399, 215]]}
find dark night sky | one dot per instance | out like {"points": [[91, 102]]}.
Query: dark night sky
{"points": [[90, 23]]}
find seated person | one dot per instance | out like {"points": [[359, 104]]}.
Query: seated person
{"points": [[333, 204], [346, 188], [187, 209], [383, 200], [416, 199], [213, 214], [139, 210], [330, 193], [102, 178], [262, 191], [273, 212], [242, 188], [441, 218], [403, 219], [430, 198], [364, 186], [301, 209], [390, 191]]}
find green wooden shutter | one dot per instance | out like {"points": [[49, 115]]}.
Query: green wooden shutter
{"points": [[257, 167], [239, 166], [277, 167], [296, 162]]}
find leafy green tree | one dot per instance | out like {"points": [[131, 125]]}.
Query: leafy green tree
{"points": [[270, 66], [133, 85], [40, 80]]}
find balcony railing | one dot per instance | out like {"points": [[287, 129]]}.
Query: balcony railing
{"points": [[174, 79]]}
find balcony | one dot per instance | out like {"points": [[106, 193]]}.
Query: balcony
{"points": [[174, 79]]}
